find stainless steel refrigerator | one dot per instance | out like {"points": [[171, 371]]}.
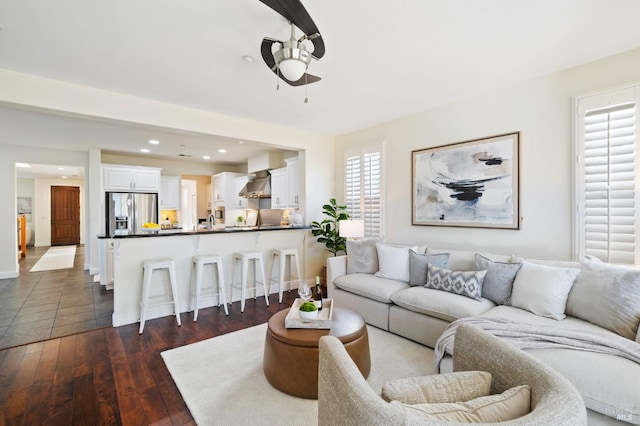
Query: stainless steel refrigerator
{"points": [[128, 211]]}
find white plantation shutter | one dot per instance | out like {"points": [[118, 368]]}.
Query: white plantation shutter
{"points": [[352, 191], [609, 162], [363, 187]]}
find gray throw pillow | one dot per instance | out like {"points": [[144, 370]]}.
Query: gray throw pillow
{"points": [[362, 256], [464, 283], [608, 296], [498, 282], [418, 266]]}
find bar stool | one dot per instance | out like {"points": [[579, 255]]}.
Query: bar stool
{"points": [[149, 267], [241, 260], [279, 258], [199, 262]]}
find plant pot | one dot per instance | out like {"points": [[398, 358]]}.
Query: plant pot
{"points": [[308, 315]]}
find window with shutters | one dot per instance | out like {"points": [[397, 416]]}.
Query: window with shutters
{"points": [[363, 187], [607, 211]]}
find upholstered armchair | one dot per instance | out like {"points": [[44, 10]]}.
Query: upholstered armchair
{"points": [[345, 398]]}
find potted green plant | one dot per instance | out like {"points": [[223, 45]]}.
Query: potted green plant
{"points": [[327, 230], [308, 311]]}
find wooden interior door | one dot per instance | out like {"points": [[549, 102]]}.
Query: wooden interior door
{"points": [[65, 215]]}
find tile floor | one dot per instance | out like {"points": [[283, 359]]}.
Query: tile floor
{"points": [[40, 305]]}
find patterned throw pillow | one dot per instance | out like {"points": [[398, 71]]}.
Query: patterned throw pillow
{"points": [[464, 283]]}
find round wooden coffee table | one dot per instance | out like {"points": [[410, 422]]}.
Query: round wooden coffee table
{"points": [[291, 354]]}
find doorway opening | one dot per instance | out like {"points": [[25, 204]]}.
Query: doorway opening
{"points": [[189, 204]]}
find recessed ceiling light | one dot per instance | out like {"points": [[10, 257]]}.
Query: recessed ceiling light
{"points": [[154, 142], [247, 58], [145, 150], [60, 168], [206, 157], [240, 142], [25, 165], [222, 150], [63, 177]]}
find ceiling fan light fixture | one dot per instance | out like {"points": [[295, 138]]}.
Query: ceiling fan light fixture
{"points": [[292, 60]]}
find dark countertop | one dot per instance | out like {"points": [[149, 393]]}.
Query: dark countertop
{"points": [[228, 230]]}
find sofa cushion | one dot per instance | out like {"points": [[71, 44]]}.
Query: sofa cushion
{"points": [[608, 384], [376, 288], [394, 262], [510, 404], [543, 289], [608, 296], [464, 283], [440, 304], [362, 256], [588, 371], [418, 265], [451, 387], [498, 282], [462, 260]]}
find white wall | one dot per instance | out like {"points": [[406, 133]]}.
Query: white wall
{"points": [[542, 111]]}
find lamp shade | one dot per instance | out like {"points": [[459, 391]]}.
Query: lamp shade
{"points": [[292, 69], [351, 228]]}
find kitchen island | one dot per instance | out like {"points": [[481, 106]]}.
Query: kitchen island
{"points": [[130, 251]]}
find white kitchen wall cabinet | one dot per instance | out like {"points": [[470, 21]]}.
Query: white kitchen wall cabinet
{"points": [[285, 186], [293, 183], [240, 202], [279, 188], [224, 189], [127, 178], [170, 193]]}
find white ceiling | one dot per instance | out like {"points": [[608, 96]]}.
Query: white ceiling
{"points": [[384, 60]]}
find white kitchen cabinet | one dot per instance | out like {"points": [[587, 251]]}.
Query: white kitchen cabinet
{"points": [[293, 185], [279, 188], [224, 189], [170, 193], [240, 202], [127, 178]]}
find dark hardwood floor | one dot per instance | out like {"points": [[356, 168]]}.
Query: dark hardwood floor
{"points": [[112, 376]]}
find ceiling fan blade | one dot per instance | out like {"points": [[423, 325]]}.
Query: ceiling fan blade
{"points": [[310, 79], [294, 12], [267, 55]]}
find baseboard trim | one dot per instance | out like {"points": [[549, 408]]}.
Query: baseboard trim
{"points": [[4, 275]]}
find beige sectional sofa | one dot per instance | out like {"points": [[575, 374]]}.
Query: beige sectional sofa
{"points": [[386, 284]]}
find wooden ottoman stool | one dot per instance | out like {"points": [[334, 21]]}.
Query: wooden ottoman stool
{"points": [[291, 354]]}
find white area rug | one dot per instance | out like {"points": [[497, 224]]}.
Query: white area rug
{"points": [[60, 257], [222, 381]]}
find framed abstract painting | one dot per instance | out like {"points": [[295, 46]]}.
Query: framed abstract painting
{"points": [[470, 184]]}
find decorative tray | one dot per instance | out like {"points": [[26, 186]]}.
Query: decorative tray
{"points": [[293, 320]]}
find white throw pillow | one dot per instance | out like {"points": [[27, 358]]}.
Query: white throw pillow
{"points": [[543, 290], [362, 256], [607, 295], [394, 262]]}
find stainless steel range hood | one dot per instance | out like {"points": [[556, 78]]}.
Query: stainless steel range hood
{"points": [[258, 187]]}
